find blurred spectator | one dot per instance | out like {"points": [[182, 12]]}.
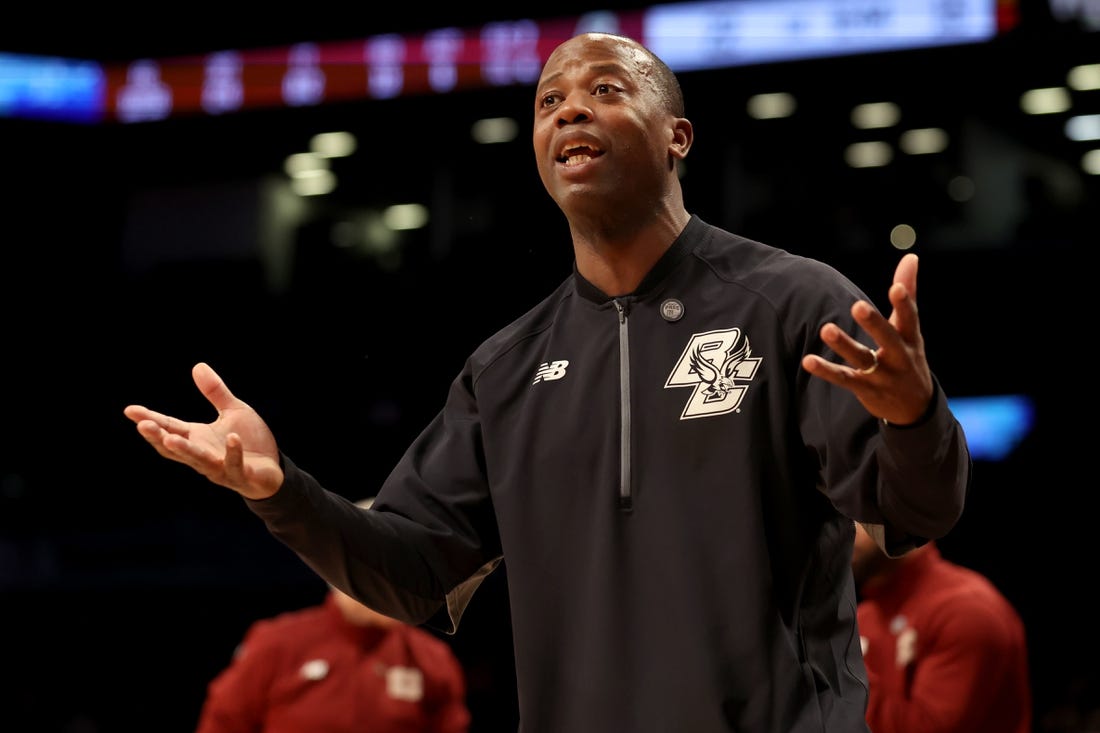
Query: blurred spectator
{"points": [[945, 651], [338, 667]]}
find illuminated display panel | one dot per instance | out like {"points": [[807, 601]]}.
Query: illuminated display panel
{"points": [[994, 424], [48, 88], [440, 61], [688, 35]]}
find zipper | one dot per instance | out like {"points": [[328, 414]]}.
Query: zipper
{"points": [[626, 495]]}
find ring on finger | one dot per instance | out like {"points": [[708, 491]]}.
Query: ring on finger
{"points": [[874, 364]]}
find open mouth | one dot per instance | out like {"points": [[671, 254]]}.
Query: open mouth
{"points": [[578, 154]]}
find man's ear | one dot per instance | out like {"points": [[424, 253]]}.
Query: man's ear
{"points": [[682, 137]]}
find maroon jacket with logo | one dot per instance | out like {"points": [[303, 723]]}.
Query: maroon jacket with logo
{"points": [[945, 651], [310, 671]]}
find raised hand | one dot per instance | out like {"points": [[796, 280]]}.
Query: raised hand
{"points": [[893, 381], [237, 450]]}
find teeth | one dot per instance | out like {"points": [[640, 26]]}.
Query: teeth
{"points": [[577, 160]]}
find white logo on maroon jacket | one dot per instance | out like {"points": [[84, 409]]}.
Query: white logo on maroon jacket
{"points": [[405, 683]]}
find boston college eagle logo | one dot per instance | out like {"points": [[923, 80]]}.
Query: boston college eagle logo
{"points": [[713, 364]]}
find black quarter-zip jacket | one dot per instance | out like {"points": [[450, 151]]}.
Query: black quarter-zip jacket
{"points": [[672, 493]]}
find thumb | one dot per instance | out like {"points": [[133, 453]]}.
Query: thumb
{"points": [[212, 387]]}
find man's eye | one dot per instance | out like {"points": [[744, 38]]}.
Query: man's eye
{"points": [[549, 100], [603, 89]]}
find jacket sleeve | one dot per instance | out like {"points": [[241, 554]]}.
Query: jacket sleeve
{"points": [[925, 472], [430, 537], [908, 483]]}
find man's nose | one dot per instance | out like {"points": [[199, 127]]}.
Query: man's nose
{"points": [[574, 109]]}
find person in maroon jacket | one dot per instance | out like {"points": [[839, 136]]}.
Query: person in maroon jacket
{"points": [[337, 667], [945, 651]]}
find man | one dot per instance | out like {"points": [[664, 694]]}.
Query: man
{"points": [[663, 450], [337, 667], [945, 651]]}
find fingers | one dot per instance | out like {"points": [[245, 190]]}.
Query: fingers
{"points": [[169, 435], [838, 374], [137, 413], [906, 274], [170, 445], [227, 470], [182, 449], [873, 367], [141, 414], [903, 298], [234, 459], [214, 450], [819, 367], [872, 373], [857, 355]]}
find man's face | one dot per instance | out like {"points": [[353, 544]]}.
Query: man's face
{"points": [[601, 132]]}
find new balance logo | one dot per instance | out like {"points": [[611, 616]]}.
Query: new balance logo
{"points": [[550, 370]]}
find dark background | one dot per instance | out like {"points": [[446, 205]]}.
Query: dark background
{"points": [[130, 252]]}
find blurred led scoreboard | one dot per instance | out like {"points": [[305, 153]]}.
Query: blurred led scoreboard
{"points": [[690, 36], [440, 61]]}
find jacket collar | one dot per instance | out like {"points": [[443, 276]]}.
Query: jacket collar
{"points": [[668, 262]]}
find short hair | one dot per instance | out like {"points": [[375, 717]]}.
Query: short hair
{"points": [[668, 86]]}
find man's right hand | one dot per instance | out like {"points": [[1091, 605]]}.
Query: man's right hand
{"points": [[237, 450]]}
